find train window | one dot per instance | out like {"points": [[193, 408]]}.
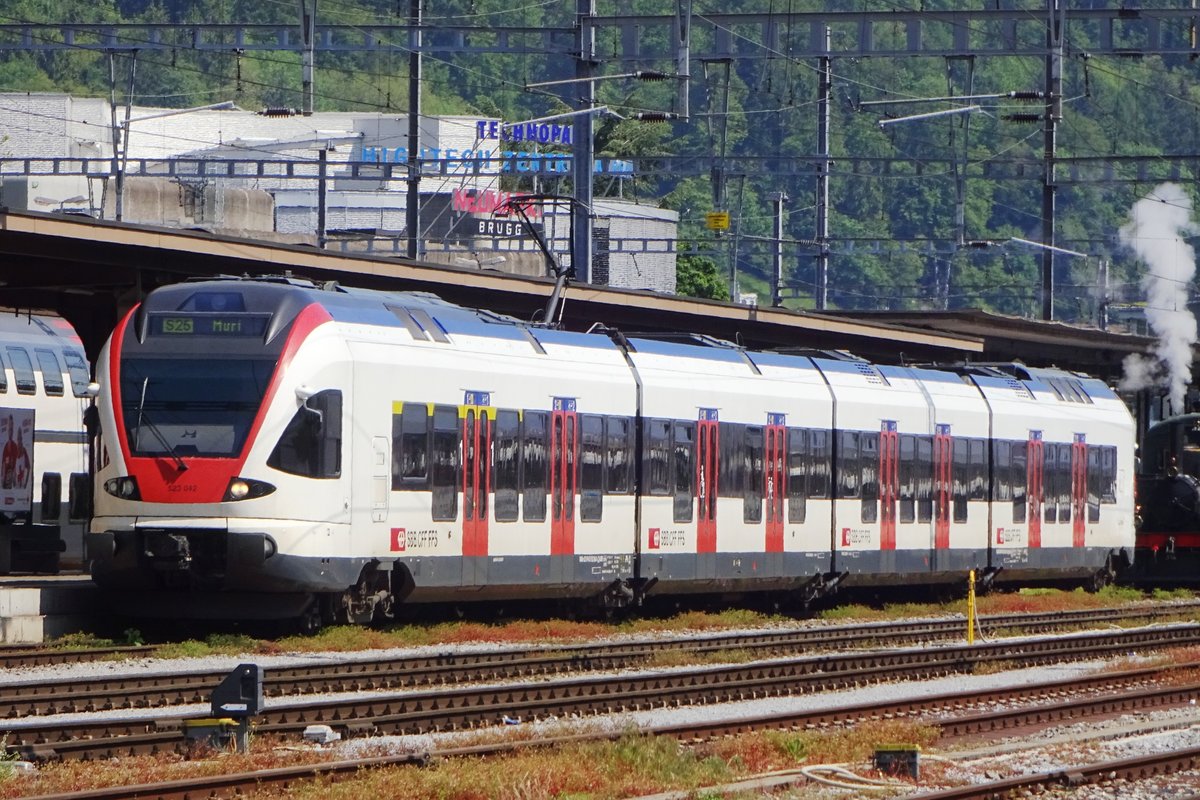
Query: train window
{"points": [[907, 473], [1001, 471], [78, 368], [818, 464], [506, 461], [51, 496], [685, 469], [79, 497], [658, 457], [591, 467], [848, 472], [444, 463], [410, 447], [214, 301], [1095, 479], [869, 462], [534, 466], [752, 508], [617, 468], [22, 370], [731, 459], [978, 455], [1020, 476], [1050, 482], [52, 377], [3, 378], [1064, 483], [924, 469], [1108, 465], [797, 471], [311, 444], [960, 477]]}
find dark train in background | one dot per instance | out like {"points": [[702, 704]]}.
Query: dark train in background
{"points": [[1168, 504]]}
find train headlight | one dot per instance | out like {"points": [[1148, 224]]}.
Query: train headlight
{"points": [[246, 489], [125, 488]]}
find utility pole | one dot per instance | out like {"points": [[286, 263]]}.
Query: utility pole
{"points": [[824, 92], [308, 29], [412, 209], [322, 196], [1057, 10], [583, 148], [1102, 296], [777, 283], [683, 71], [120, 135]]}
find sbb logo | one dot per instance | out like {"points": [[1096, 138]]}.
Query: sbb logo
{"points": [[398, 540], [845, 537], [654, 543]]}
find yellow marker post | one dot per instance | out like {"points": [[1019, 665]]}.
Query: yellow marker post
{"points": [[971, 607]]}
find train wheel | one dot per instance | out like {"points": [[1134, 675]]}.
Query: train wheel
{"points": [[312, 620]]}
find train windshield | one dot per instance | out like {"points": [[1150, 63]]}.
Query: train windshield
{"points": [[183, 407]]}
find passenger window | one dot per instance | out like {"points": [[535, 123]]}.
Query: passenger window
{"points": [[506, 460], [22, 370], [752, 509], [1020, 476], [869, 462], [534, 466], [1002, 471], [797, 472], [1108, 461], [591, 467], [52, 377], [311, 445], [960, 478], [410, 447], [731, 459], [1064, 482], [658, 455], [1050, 482], [924, 466], [1095, 480], [618, 447], [77, 367], [444, 463], [819, 464], [849, 471], [685, 470], [908, 478]]}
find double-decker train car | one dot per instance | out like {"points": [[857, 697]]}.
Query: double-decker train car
{"points": [[45, 488], [271, 448]]}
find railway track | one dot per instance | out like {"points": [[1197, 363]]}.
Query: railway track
{"points": [[154, 690], [1054, 701], [478, 706]]}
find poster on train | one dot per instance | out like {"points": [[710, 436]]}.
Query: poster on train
{"points": [[16, 460]]}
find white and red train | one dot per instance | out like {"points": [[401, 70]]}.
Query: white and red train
{"points": [[270, 448]]}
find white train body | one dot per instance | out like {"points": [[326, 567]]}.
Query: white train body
{"points": [[265, 443], [43, 381]]}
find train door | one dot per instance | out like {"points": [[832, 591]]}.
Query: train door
{"points": [[889, 484], [476, 485], [1036, 462], [943, 458], [774, 490], [707, 444], [381, 478], [564, 446], [1078, 490]]}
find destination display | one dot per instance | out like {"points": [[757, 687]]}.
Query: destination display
{"points": [[209, 324]]}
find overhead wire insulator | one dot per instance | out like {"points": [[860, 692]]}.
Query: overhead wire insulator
{"points": [[1022, 117], [1027, 95], [655, 116], [650, 75]]}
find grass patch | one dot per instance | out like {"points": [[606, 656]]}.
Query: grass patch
{"points": [[80, 641]]}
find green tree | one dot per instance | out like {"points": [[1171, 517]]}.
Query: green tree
{"points": [[697, 276]]}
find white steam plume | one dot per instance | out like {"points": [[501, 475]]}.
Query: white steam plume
{"points": [[1156, 226]]}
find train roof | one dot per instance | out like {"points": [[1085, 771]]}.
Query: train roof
{"points": [[284, 297]]}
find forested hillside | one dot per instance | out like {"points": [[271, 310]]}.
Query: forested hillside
{"points": [[896, 240]]}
